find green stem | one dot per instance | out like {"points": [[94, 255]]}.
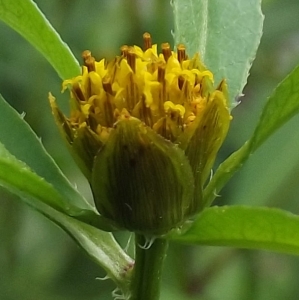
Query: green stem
{"points": [[146, 279]]}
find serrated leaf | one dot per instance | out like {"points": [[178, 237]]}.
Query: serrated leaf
{"points": [[245, 227], [225, 33], [26, 18], [19, 139]]}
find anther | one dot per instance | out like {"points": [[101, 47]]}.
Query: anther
{"points": [[181, 51], [90, 64], [124, 50], [89, 61], [166, 51], [86, 54], [131, 58], [147, 40]]}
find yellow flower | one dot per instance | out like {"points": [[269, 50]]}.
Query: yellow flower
{"points": [[145, 129]]}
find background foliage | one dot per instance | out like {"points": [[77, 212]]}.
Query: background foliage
{"points": [[38, 260]]}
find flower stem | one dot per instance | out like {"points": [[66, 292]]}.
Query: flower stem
{"points": [[146, 279]]}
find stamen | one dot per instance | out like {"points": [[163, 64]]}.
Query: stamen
{"points": [[181, 51], [166, 51], [131, 58], [89, 61], [145, 113], [161, 72], [147, 40], [181, 81], [90, 64], [108, 113], [78, 92], [124, 50], [107, 87], [86, 54]]}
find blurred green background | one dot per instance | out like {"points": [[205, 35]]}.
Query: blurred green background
{"points": [[39, 261]]}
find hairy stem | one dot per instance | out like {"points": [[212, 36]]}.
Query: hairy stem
{"points": [[146, 279]]}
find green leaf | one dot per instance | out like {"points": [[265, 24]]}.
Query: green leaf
{"points": [[100, 246], [25, 17], [19, 179], [27, 147], [225, 33], [281, 106], [245, 227], [16, 177]]}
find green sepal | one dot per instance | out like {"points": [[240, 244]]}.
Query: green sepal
{"points": [[202, 140], [141, 181], [82, 143]]}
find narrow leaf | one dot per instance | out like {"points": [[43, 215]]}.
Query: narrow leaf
{"points": [[27, 147], [25, 17], [281, 106], [16, 177], [19, 179], [245, 227], [225, 33], [100, 246]]}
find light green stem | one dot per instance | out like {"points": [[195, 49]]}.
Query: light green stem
{"points": [[146, 279]]}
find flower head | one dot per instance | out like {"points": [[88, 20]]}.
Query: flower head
{"points": [[145, 129]]}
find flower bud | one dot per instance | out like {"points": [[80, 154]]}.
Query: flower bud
{"points": [[145, 129]]}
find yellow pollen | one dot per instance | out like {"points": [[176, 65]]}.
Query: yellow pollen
{"points": [[169, 106]]}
